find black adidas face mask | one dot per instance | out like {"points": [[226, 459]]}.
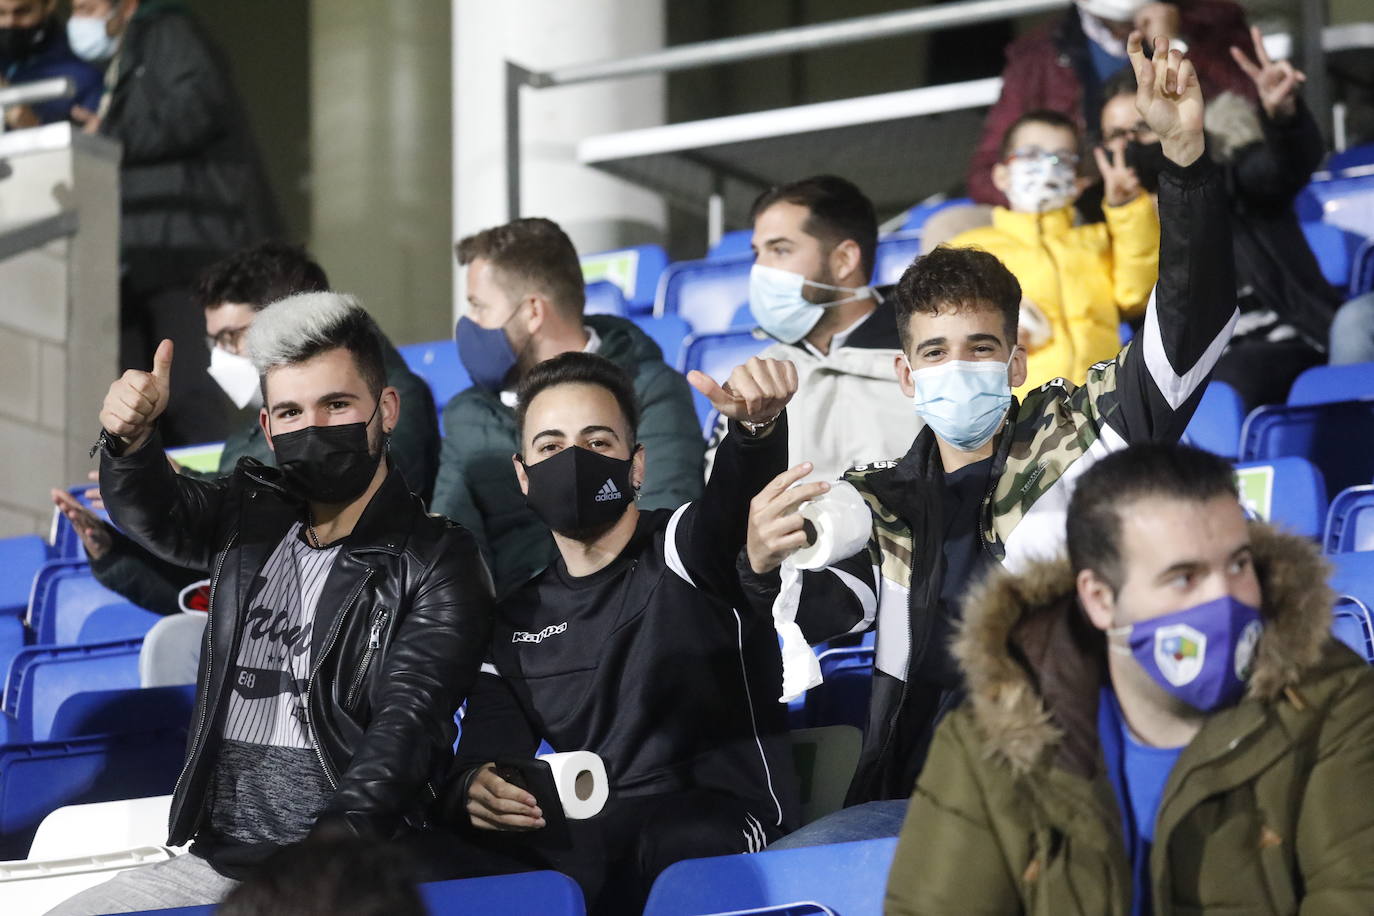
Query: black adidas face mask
{"points": [[580, 493], [328, 464], [1148, 161]]}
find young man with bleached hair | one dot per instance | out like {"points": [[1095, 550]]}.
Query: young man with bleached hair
{"points": [[1158, 723], [345, 624]]}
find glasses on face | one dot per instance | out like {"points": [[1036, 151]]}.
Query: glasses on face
{"points": [[227, 339], [1137, 132], [1056, 157]]}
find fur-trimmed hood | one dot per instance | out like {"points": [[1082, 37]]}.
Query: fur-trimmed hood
{"points": [[1030, 656]]}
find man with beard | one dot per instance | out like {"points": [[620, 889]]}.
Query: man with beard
{"points": [[33, 47]]}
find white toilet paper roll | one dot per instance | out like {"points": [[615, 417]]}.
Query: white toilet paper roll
{"points": [[581, 780], [842, 522]]}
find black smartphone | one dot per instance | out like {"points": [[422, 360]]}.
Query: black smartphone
{"points": [[535, 777]]}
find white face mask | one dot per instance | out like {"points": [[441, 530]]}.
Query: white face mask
{"points": [[777, 303], [1039, 184], [237, 376], [88, 38]]}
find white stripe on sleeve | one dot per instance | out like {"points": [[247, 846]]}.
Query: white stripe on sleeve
{"points": [[1178, 388]]}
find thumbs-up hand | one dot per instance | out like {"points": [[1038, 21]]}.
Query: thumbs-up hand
{"points": [[756, 392], [136, 399]]}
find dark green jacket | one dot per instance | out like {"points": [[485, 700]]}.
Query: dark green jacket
{"points": [[1267, 811], [477, 486], [155, 584]]}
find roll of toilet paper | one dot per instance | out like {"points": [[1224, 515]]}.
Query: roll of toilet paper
{"points": [[842, 523], [581, 780]]}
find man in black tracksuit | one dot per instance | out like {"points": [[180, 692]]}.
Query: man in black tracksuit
{"points": [[634, 644]]}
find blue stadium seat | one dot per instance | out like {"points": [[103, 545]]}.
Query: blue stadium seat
{"points": [[734, 244], [42, 678], [1353, 575], [716, 354], [895, 254], [1337, 438], [38, 778], [1330, 384], [1352, 624], [20, 559], [605, 298], [848, 878], [842, 697], [68, 606], [1350, 521], [1362, 269], [122, 711], [438, 364], [635, 270], [705, 294], [1288, 492], [916, 217], [1335, 250], [669, 332], [1216, 425], [1352, 157]]}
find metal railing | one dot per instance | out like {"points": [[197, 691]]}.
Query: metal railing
{"points": [[37, 92]]}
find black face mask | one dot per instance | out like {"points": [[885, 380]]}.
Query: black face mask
{"points": [[1148, 161], [328, 464], [579, 493], [18, 42]]}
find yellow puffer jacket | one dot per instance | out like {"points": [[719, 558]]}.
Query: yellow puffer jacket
{"points": [[1086, 279]]}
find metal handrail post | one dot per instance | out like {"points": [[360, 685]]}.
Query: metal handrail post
{"points": [[35, 93], [516, 77]]}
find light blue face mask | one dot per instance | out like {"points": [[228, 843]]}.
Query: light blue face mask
{"points": [[777, 303], [89, 40], [963, 402]]}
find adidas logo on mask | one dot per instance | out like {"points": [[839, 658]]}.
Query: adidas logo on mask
{"points": [[607, 492]]}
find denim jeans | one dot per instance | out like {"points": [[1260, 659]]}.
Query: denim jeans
{"points": [[869, 821]]}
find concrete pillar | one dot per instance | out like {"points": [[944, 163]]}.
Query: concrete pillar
{"points": [[597, 211]]}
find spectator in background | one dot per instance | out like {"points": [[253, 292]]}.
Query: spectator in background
{"points": [[192, 187], [1062, 65], [814, 246], [1161, 724], [1078, 283], [1267, 156], [525, 302], [33, 47]]}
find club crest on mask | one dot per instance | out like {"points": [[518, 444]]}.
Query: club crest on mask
{"points": [[1179, 651]]}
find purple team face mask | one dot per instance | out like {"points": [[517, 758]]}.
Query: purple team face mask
{"points": [[1201, 654]]}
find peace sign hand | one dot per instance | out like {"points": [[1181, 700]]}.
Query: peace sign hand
{"points": [[1169, 98], [1276, 81], [1120, 184]]}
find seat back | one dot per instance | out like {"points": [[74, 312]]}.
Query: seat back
{"points": [[605, 298], [1334, 249], [1288, 492], [42, 678], [636, 270], [40, 777], [668, 331], [916, 217], [82, 830], [716, 354], [1353, 576], [122, 710], [535, 893], [1350, 521], [20, 559], [1352, 624], [824, 759], [734, 244], [438, 364], [848, 878], [705, 294], [895, 254], [68, 606], [1362, 269], [1332, 384], [1216, 424], [1337, 438]]}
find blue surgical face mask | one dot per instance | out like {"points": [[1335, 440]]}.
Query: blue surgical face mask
{"points": [[963, 402], [1201, 655], [486, 352], [777, 303], [89, 40]]}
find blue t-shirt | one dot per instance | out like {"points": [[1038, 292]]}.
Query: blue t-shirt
{"points": [[1138, 773]]}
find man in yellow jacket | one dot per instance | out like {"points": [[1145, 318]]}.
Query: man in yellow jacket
{"points": [[1079, 282]]}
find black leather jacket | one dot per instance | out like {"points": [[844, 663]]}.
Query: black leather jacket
{"points": [[400, 630]]}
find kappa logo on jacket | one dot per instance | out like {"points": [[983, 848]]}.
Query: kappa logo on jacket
{"points": [[607, 492], [551, 630]]}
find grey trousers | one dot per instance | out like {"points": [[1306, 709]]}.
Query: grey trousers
{"points": [[186, 880]]}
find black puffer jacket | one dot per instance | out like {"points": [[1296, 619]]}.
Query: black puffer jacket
{"points": [[400, 629]]}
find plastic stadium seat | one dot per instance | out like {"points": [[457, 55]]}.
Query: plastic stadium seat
{"points": [[1350, 521], [669, 332], [716, 354], [1216, 425], [705, 294], [1353, 575], [1362, 269], [1352, 157], [848, 878], [40, 777], [916, 217], [1337, 438], [76, 830], [605, 298], [1289, 492], [1352, 624], [438, 364], [1335, 250], [117, 712], [1331, 384], [635, 270], [68, 606], [734, 244], [20, 559], [842, 697], [895, 254], [42, 678]]}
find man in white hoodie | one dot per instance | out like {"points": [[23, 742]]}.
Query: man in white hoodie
{"points": [[814, 245]]}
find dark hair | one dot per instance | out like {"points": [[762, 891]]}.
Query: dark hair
{"points": [[531, 252], [1039, 116], [301, 327], [839, 212], [1122, 82], [332, 877], [957, 278], [577, 368], [1122, 478], [259, 276]]}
